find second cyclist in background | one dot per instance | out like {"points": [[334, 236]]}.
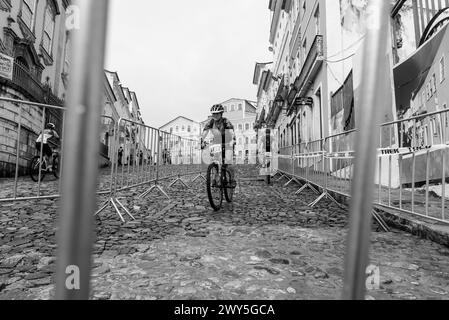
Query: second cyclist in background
{"points": [[48, 133]]}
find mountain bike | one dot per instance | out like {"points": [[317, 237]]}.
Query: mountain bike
{"points": [[218, 179], [41, 162]]}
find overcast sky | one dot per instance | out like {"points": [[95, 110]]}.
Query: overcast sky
{"points": [[181, 57]]}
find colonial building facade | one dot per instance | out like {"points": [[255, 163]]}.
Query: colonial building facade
{"points": [[180, 139], [122, 103], [312, 88]]}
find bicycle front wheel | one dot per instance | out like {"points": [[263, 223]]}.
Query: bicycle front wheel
{"points": [[228, 190], [56, 167], [35, 164], [214, 188]]}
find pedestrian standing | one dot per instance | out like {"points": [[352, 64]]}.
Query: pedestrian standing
{"points": [[120, 155]]}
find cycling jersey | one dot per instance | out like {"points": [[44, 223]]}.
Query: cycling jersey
{"points": [[47, 134], [221, 125]]}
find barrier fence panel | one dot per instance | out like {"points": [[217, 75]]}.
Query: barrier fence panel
{"points": [[21, 155], [151, 156], [19, 151], [412, 165], [339, 155]]}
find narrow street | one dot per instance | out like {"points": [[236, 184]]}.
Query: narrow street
{"points": [[181, 249]]}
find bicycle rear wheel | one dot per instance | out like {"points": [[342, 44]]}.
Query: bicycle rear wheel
{"points": [[214, 188], [228, 191], [34, 169]]}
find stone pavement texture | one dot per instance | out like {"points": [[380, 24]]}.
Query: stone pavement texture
{"points": [[267, 245]]}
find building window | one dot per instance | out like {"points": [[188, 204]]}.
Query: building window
{"points": [[303, 50], [183, 129], [442, 70], [446, 116], [67, 54], [423, 95], [232, 107], [240, 127], [240, 107], [433, 123], [247, 126], [28, 11], [49, 28], [171, 130], [177, 129], [189, 129], [433, 87], [246, 140], [240, 141], [317, 20]]}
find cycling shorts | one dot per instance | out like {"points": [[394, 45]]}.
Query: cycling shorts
{"points": [[46, 149]]}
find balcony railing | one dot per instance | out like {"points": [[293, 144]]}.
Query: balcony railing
{"points": [[26, 82], [313, 61]]}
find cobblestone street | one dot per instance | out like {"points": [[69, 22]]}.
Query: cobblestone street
{"points": [[252, 249]]}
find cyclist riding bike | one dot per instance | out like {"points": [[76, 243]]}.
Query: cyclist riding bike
{"points": [[48, 133], [224, 134]]}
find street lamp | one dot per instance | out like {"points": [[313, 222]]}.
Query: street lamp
{"points": [[279, 102]]}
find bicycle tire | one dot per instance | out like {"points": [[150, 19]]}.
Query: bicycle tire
{"points": [[56, 167], [228, 191], [34, 169], [209, 180]]}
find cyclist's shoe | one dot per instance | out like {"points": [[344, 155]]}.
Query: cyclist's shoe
{"points": [[50, 168]]}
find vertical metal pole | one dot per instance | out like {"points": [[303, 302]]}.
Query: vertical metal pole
{"points": [[117, 147], [114, 156], [427, 182], [400, 181], [61, 160], [81, 153], [158, 154], [19, 128], [358, 243], [389, 179], [413, 180], [41, 157], [443, 185]]}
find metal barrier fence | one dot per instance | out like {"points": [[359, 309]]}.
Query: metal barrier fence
{"points": [[412, 165], [410, 175], [152, 156], [21, 149]]}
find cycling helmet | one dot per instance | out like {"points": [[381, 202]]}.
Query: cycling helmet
{"points": [[51, 126], [218, 108]]}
